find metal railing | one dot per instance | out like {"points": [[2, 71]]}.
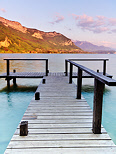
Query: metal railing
{"points": [[99, 84]]}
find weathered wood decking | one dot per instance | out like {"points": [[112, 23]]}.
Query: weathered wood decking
{"points": [[58, 123], [42, 74]]}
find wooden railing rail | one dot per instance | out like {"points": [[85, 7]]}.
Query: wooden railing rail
{"points": [[104, 64], [99, 84], [8, 64]]}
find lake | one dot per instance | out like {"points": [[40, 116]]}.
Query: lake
{"points": [[14, 102]]}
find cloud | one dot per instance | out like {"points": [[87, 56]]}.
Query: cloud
{"points": [[3, 10], [114, 30], [112, 21], [108, 44], [57, 18], [96, 24]]}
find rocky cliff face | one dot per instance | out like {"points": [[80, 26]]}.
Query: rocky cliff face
{"points": [[13, 24], [5, 43], [16, 38]]}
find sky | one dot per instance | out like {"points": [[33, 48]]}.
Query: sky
{"points": [[84, 20]]}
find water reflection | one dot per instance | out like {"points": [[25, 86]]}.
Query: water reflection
{"points": [[16, 88], [90, 89]]}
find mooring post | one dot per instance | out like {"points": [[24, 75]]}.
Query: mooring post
{"points": [[44, 81], [104, 67], [14, 79], [24, 128], [79, 83], [37, 96], [97, 106], [47, 71], [66, 68], [70, 73]]}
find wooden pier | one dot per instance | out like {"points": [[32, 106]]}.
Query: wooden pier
{"points": [[58, 119], [59, 123]]}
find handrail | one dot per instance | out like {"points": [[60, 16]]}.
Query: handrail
{"points": [[104, 63], [106, 80], [8, 63], [88, 59], [99, 84]]}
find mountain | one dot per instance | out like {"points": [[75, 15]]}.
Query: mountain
{"points": [[87, 46], [15, 38]]}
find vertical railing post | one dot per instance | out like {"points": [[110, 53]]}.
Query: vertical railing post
{"points": [[7, 71], [97, 106], [70, 73], [79, 83], [8, 67], [66, 68], [104, 67], [46, 67]]}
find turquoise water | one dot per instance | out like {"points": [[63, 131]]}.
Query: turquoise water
{"points": [[13, 103]]}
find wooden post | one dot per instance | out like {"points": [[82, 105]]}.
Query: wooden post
{"points": [[44, 81], [66, 68], [14, 79], [79, 83], [37, 96], [47, 67], [70, 73], [8, 82], [97, 106], [104, 68], [8, 70], [24, 128]]}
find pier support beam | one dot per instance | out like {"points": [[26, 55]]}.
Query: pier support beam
{"points": [[8, 83], [97, 106]]}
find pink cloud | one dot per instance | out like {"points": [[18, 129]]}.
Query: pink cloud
{"points": [[97, 24], [3, 10], [112, 21], [114, 30], [58, 18], [108, 44]]}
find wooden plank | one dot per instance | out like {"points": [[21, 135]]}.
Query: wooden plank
{"points": [[59, 113], [61, 130], [54, 125], [32, 137], [34, 120], [58, 144], [57, 117], [84, 150]]}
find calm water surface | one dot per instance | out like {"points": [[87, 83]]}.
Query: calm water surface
{"points": [[14, 102]]}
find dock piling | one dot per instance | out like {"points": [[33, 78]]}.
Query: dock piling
{"points": [[24, 128], [37, 96], [44, 81], [14, 79]]}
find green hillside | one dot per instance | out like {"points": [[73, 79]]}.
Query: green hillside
{"points": [[14, 41]]}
